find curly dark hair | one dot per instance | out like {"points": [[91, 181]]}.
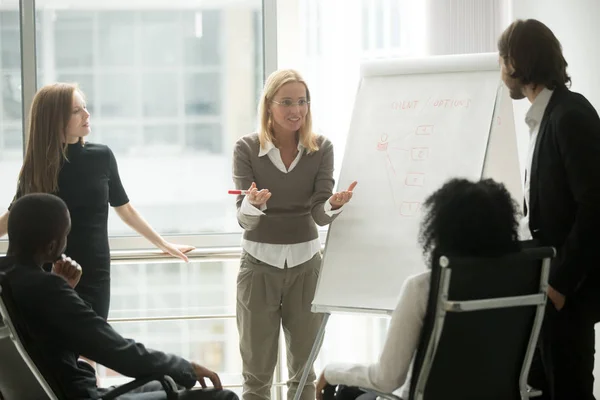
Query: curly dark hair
{"points": [[471, 219]]}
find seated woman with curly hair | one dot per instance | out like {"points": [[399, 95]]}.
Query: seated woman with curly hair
{"points": [[462, 218]]}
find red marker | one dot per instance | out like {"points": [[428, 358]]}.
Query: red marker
{"points": [[238, 192]]}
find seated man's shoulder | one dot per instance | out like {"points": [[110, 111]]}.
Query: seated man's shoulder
{"points": [[31, 281]]}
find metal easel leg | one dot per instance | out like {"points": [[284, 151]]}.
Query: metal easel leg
{"points": [[312, 357]]}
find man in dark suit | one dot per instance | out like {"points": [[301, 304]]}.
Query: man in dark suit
{"points": [[58, 327], [562, 203]]}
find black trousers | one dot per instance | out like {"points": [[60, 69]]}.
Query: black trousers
{"points": [[154, 391], [563, 365], [97, 294]]}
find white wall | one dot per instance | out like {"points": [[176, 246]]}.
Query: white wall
{"points": [[463, 26], [576, 24]]}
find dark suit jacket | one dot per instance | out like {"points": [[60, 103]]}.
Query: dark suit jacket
{"points": [[56, 326], [565, 194]]}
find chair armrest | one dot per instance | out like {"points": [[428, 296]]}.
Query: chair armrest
{"points": [[169, 386], [531, 392], [388, 396]]}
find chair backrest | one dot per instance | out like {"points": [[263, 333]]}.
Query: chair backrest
{"points": [[20, 379], [483, 320]]}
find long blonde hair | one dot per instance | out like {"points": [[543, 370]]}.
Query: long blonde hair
{"points": [[49, 116], [274, 82]]}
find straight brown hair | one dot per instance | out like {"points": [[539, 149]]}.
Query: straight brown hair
{"points": [[49, 116], [535, 53]]}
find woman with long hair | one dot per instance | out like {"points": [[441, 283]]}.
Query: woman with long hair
{"points": [[58, 160]]}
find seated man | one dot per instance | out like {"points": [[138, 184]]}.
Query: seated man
{"points": [[462, 218], [58, 326]]}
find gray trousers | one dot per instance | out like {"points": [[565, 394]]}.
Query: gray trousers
{"points": [[268, 298]]}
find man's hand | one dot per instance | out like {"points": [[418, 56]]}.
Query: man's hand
{"points": [[557, 298], [68, 269], [202, 372]]}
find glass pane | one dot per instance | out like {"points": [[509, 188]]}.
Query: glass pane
{"points": [[163, 96], [9, 19], [180, 290], [122, 139], [366, 32], [11, 48], [160, 134], [162, 37], [173, 289], [201, 37], [74, 36], [12, 139], [39, 42], [11, 129], [204, 137], [379, 26], [117, 95], [116, 38], [258, 57], [159, 94], [11, 96], [211, 343], [395, 24], [202, 94]]}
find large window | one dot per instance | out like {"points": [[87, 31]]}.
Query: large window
{"points": [[11, 128], [170, 88]]}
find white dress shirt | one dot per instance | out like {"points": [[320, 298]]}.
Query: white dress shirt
{"points": [[393, 371], [280, 254], [533, 119]]}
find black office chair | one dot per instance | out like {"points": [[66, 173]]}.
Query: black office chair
{"points": [[21, 378], [481, 328]]}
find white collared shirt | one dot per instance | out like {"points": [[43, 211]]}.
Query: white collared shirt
{"points": [[278, 254], [533, 119]]}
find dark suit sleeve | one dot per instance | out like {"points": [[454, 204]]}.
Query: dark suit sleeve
{"points": [[578, 138], [73, 325]]}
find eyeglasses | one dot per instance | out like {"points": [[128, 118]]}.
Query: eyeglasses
{"points": [[289, 103]]}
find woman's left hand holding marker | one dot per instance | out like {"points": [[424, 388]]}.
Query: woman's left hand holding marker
{"points": [[256, 197]]}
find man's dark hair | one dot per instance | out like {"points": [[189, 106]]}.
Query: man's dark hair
{"points": [[470, 219], [34, 221], [535, 54]]}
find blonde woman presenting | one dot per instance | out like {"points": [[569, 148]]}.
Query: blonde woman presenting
{"points": [[287, 171]]}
